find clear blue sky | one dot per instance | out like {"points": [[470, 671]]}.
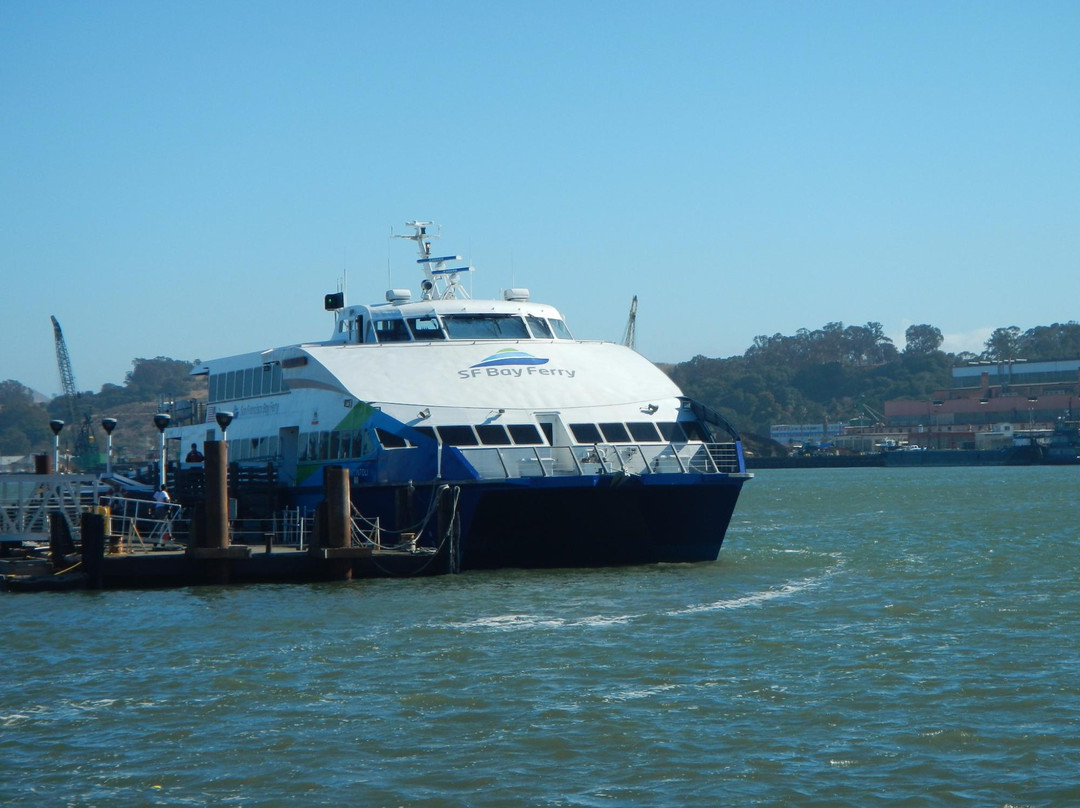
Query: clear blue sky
{"points": [[188, 179]]}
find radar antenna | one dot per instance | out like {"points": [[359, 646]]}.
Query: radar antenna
{"points": [[440, 281]]}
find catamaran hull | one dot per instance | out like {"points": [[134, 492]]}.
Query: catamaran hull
{"points": [[609, 520], [618, 521]]}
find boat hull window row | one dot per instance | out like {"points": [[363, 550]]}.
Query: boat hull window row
{"points": [[253, 382]]}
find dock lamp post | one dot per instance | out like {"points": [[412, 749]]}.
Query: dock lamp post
{"points": [[161, 421], [108, 424], [1031, 411], [56, 425], [224, 418]]}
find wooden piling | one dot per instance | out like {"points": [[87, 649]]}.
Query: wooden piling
{"points": [[60, 542], [338, 511], [93, 549], [216, 534], [213, 552], [337, 537], [403, 506], [448, 528]]}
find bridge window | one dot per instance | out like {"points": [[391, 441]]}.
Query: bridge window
{"points": [[485, 326], [391, 331], [539, 327], [560, 329], [426, 328]]}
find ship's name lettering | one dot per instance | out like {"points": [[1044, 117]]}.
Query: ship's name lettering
{"points": [[257, 409], [516, 373]]}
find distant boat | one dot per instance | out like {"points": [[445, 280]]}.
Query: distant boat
{"points": [[1063, 447]]}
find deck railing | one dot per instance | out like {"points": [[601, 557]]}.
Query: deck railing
{"points": [[506, 462]]}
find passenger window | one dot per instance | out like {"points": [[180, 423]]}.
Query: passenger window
{"points": [[493, 435], [672, 432], [389, 440], [586, 433], [525, 435], [644, 432], [457, 435], [695, 431], [615, 433]]}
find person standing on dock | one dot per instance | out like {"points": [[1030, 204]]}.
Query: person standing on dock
{"points": [[161, 497], [194, 456]]}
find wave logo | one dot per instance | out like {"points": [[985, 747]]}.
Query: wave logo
{"points": [[510, 356]]}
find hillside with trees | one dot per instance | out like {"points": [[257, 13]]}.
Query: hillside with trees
{"points": [[836, 372], [833, 373], [24, 423]]}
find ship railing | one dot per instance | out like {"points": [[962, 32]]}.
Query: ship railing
{"points": [[512, 462]]}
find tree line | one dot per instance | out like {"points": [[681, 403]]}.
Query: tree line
{"points": [[832, 374], [837, 372]]}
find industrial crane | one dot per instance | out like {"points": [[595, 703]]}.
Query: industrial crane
{"points": [[631, 324], [84, 438]]}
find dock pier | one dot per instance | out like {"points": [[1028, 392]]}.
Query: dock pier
{"points": [[338, 546]]}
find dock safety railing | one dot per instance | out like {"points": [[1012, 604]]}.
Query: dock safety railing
{"points": [[28, 500], [139, 522], [503, 462]]}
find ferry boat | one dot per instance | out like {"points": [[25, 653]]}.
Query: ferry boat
{"points": [[559, 451]]}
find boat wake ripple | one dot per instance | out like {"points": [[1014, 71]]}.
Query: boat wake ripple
{"points": [[517, 622], [758, 598]]}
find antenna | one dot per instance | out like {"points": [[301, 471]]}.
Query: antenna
{"points": [[389, 280], [440, 281], [345, 271]]}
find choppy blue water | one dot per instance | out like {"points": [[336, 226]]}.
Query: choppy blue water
{"points": [[899, 637]]}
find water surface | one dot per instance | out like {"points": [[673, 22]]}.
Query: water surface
{"points": [[900, 637]]}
